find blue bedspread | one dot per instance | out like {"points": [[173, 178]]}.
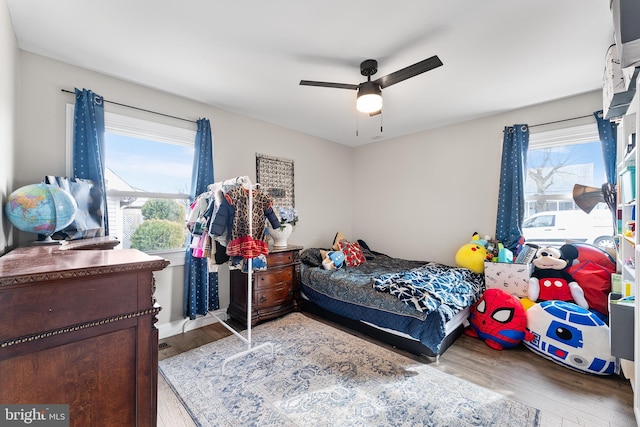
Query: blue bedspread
{"points": [[350, 292], [431, 287]]}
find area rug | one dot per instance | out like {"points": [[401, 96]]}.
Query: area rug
{"points": [[322, 376]]}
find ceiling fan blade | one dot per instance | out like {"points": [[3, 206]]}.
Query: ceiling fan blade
{"points": [[328, 84], [410, 71]]}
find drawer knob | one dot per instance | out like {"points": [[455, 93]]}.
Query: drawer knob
{"points": [[263, 298]]}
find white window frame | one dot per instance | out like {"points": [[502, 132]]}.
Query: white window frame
{"points": [[564, 136], [569, 135], [143, 129]]}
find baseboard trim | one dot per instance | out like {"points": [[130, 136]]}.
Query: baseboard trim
{"points": [[177, 327]]}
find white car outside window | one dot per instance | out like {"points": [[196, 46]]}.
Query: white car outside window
{"points": [[559, 227]]}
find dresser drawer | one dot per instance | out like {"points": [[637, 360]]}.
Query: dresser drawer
{"points": [[273, 277], [280, 258], [274, 296], [57, 305]]}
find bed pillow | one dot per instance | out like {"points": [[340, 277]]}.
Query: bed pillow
{"points": [[337, 239], [311, 256], [353, 252]]}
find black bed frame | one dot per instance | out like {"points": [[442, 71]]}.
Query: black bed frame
{"points": [[412, 346]]}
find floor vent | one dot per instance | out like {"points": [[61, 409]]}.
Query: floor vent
{"points": [[163, 345]]}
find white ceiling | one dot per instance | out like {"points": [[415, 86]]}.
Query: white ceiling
{"points": [[248, 57]]}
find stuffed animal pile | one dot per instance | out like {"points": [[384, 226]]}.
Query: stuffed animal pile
{"points": [[558, 320]]}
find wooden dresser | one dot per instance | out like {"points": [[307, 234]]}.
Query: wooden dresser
{"points": [[77, 327], [276, 290]]}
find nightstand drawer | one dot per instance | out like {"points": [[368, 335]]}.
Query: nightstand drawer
{"points": [[280, 258], [273, 277], [274, 296]]}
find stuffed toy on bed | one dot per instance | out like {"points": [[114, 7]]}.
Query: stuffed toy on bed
{"points": [[550, 279], [498, 318], [332, 260]]}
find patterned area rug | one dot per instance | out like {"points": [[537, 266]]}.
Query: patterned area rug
{"points": [[321, 376]]}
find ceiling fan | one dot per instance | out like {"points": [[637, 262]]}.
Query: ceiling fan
{"points": [[370, 92]]}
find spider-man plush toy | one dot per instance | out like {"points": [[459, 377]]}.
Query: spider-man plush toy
{"points": [[499, 319]]}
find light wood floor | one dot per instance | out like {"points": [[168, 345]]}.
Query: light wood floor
{"points": [[565, 398]]}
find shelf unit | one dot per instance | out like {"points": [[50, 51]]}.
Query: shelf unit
{"points": [[634, 114], [629, 246], [626, 209]]}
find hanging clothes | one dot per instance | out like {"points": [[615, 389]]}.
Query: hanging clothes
{"points": [[222, 223], [213, 224], [243, 243]]}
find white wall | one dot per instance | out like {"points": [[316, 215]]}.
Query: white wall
{"points": [[422, 196], [40, 151], [9, 66]]}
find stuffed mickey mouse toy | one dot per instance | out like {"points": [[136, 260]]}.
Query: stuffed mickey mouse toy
{"points": [[551, 281]]}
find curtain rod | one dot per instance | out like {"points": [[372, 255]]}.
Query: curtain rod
{"points": [[138, 108], [560, 121]]}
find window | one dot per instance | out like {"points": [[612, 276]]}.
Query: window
{"points": [[556, 161], [148, 178]]}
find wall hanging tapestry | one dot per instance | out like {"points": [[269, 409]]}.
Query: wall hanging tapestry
{"points": [[275, 176]]}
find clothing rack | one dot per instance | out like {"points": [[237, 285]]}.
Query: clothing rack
{"points": [[248, 338]]}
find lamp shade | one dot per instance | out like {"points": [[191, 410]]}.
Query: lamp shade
{"points": [[369, 98]]}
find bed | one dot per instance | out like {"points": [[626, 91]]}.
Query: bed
{"points": [[417, 306]]}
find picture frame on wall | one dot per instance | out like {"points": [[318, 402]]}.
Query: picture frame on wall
{"points": [[276, 176]]}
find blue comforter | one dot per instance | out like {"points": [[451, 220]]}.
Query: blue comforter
{"points": [[432, 286], [350, 292]]}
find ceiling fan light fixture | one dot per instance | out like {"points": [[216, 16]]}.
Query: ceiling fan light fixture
{"points": [[369, 97]]}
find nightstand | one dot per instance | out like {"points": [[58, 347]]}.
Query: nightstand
{"points": [[276, 290]]}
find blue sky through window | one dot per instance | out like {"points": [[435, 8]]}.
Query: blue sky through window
{"points": [[149, 165], [588, 155]]}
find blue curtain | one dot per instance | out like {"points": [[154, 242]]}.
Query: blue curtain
{"points": [[608, 133], [511, 194], [608, 138], [88, 144], [200, 286]]}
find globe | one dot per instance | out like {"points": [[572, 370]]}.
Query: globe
{"points": [[40, 208]]}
